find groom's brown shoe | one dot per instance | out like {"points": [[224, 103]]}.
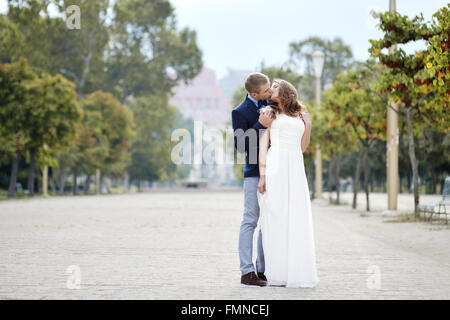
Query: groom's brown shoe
{"points": [[262, 276], [251, 279]]}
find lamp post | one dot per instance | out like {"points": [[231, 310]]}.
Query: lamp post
{"points": [[318, 58], [392, 145]]}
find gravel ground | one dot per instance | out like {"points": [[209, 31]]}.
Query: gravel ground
{"points": [[183, 245]]}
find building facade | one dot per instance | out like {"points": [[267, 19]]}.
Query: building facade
{"points": [[204, 101]]}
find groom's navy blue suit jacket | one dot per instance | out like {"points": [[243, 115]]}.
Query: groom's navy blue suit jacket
{"points": [[246, 134]]}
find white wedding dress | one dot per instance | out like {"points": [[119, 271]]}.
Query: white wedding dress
{"points": [[285, 209]]}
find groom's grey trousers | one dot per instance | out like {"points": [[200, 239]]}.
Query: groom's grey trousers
{"points": [[248, 226]]}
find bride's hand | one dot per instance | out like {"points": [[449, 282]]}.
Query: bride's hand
{"points": [[262, 184]]}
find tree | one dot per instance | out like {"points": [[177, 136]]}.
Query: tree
{"points": [[151, 147], [14, 79], [111, 125], [84, 53], [283, 72], [417, 83], [53, 47], [354, 99], [338, 58], [434, 154], [51, 117], [147, 55], [337, 140], [11, 41]]}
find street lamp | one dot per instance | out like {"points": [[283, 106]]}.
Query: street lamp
{"points": [[392, 146], [318, 58]]}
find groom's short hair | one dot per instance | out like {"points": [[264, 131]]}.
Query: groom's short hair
{"points": [[254, 81]]}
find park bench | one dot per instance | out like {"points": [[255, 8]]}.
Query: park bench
{"points": [[442, 205]]}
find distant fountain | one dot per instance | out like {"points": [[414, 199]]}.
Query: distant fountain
{"points": [[195, 180]]}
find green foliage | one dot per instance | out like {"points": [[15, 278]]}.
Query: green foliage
{"points": [[151, 148], [285, 73], [417, 82], [338, 58], [11, 41], [355, 102], [37, 115], [139, 54], [156, 56], [53, 112], [14, 101], [111, 125]]}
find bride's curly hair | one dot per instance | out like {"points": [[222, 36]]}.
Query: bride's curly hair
{"points": [[289, 99]]}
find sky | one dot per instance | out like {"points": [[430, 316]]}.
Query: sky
{"points": [[240, 34]]}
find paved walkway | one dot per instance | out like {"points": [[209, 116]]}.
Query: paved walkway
{"points": [[183, 245]]}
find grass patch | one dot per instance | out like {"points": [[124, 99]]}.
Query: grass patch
{"points": [[363, 215], [404, 217], [333, 201], [410, 217]]}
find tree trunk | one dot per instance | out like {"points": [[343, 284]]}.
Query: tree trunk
{"points": [[51, 180], [86, 61], [74, 182], [97, 181], [435, 180], [366, 176], [400, 144], [45, 181], [126, 182], [408, 178], [330, 179], [337, 171], [102, 183], [13, 177], [108, 184], [62, 179], [414, 162], [31, 171], [356, 178], [87, 185]]}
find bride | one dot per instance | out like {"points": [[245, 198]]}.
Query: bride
{"points": [[283, 193]]}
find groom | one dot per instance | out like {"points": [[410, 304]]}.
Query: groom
{"points": [[247, 122]]}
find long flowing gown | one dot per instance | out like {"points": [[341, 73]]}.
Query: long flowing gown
{"points": [[285, 209]]}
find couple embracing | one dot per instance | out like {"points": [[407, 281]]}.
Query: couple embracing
{"points": [[273, 129]]}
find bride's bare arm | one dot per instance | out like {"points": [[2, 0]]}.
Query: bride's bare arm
{"points": [[306, 138], [307, 134], [263, 147]]}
